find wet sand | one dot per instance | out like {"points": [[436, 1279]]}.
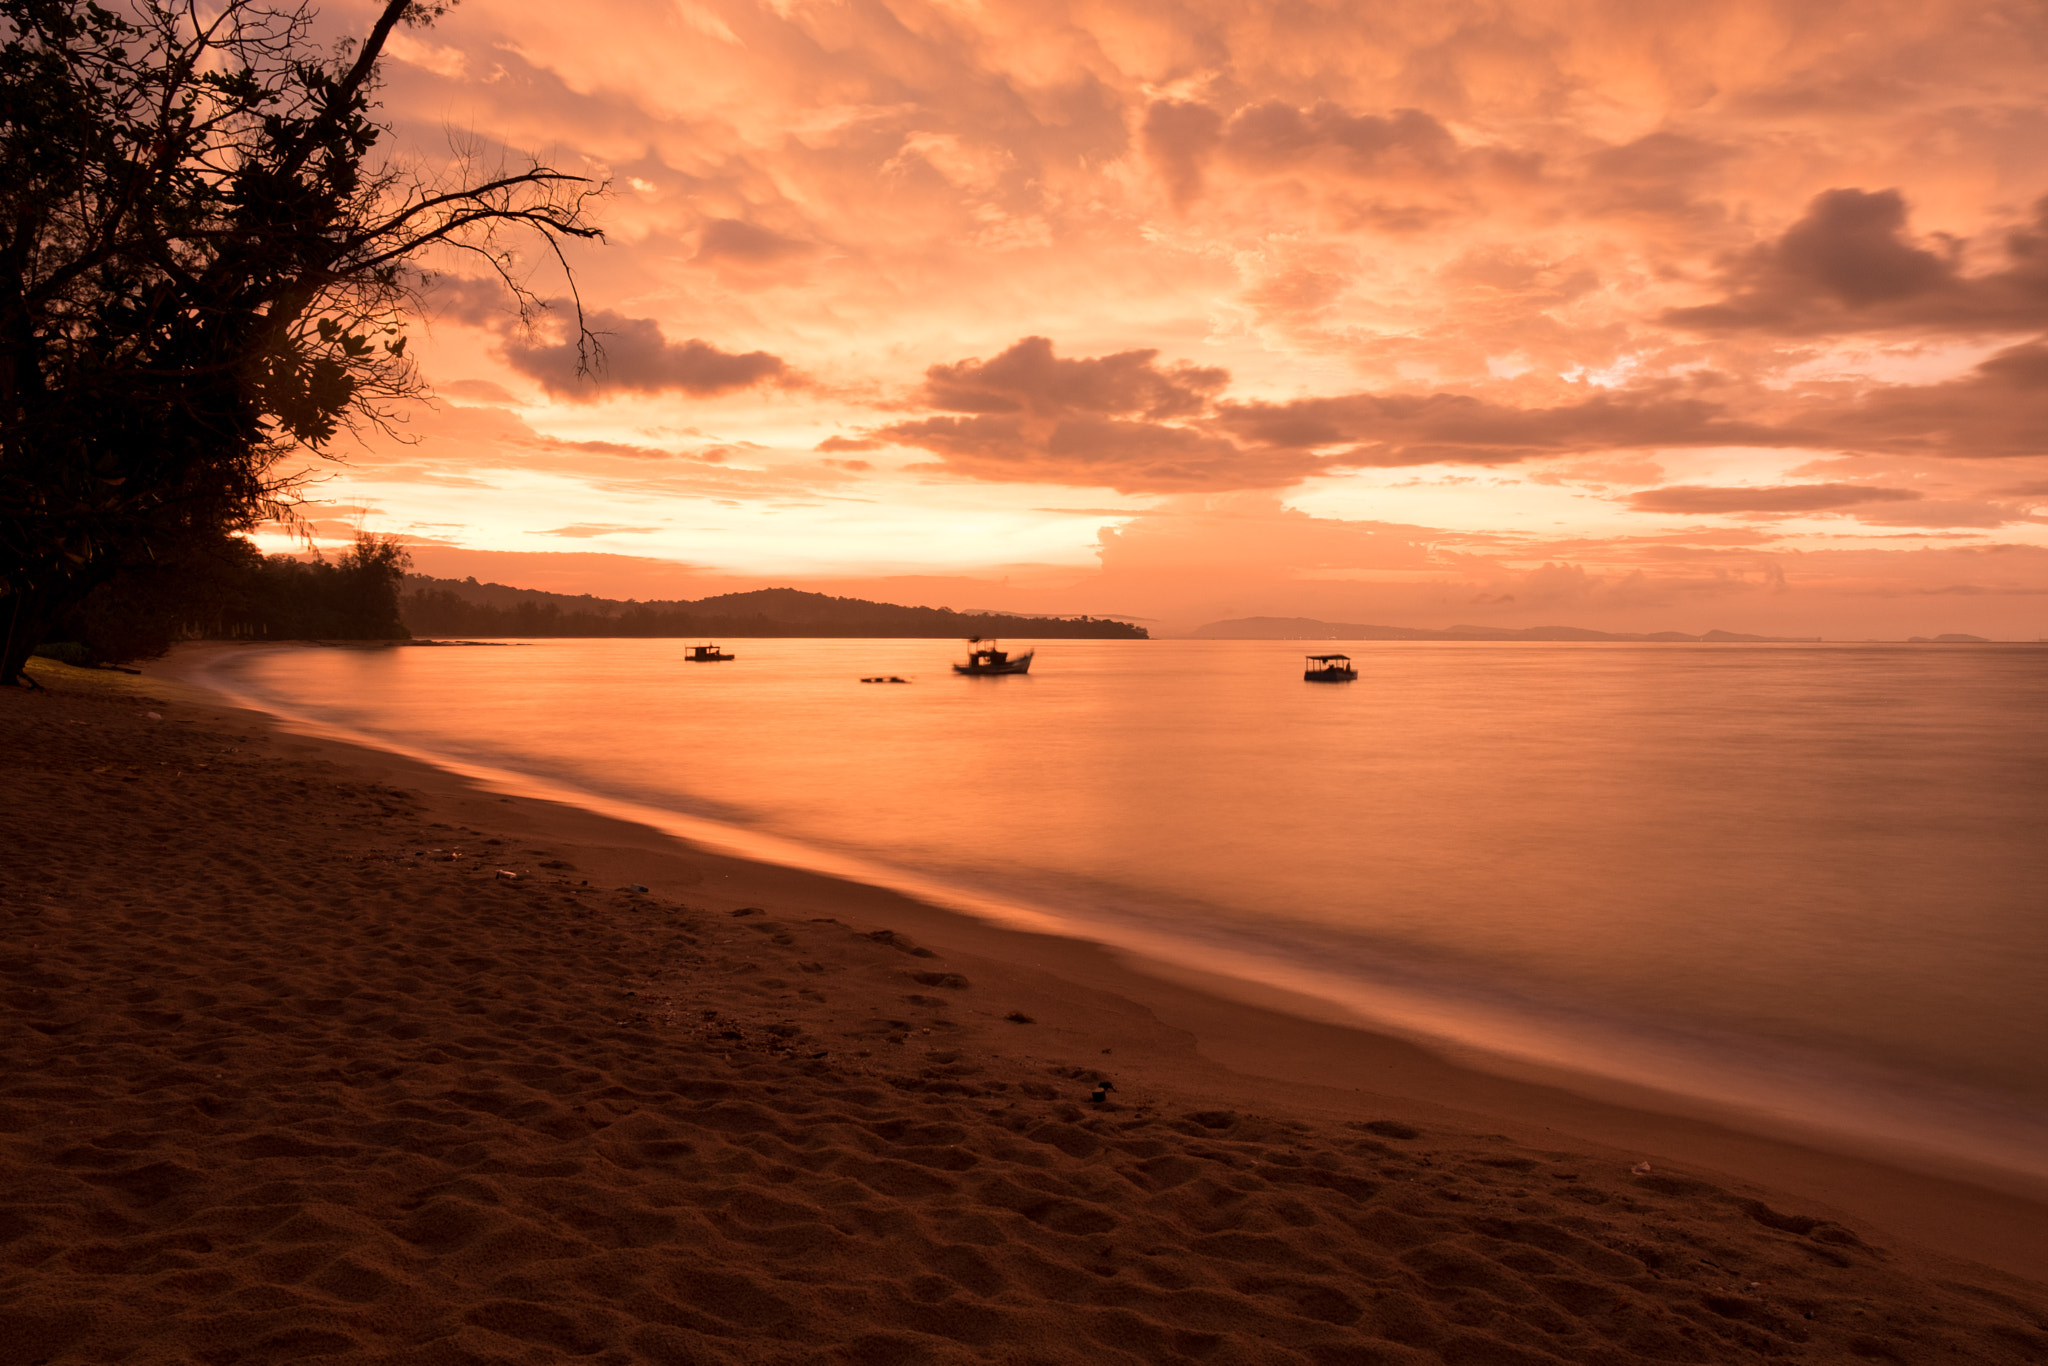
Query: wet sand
{"points": [[314, 1052]]}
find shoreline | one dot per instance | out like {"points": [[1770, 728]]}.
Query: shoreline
{"points": [[308, 1049], [1262, 1044]]}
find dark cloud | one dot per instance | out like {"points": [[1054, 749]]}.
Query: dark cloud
{"points": [[1130, 457], [1997, 411], [1850, 247], [1654, 174], [1178, 137], [1273, 135], [742, 243], [1182, 139], [636, 357], [1113, 421], [1123, 421], [633, 354], [1029, 379], [1774, 498], [1657, 158], [1848, 265], [1393, 430], [478, 301]]}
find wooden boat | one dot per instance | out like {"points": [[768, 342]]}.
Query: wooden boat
{"points": [[1329, 669], [987, 659], [704, 654]]}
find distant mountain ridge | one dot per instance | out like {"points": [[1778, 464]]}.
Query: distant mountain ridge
{"points": [[464, 607], [1307, 628]]}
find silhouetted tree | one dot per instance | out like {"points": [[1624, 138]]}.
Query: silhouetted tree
{"points": [[201, 272]]}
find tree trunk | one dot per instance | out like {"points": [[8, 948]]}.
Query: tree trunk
{"points": [[25, 619]]}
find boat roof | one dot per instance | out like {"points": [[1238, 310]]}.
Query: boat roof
{"points": [[1327, 658]]}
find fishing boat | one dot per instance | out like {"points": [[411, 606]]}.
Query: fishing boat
{"points": [[1329, 669], [704, 654], [988, 659]]}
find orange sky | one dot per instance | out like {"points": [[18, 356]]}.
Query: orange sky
{"points": [[1413, 313]]}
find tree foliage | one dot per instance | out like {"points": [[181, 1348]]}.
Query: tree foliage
{"points": [[203, 271], [228, 590]]}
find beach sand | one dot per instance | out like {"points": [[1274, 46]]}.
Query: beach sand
{"points": [[312, 1052]]}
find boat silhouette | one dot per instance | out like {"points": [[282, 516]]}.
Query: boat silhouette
{"points": [[989, 659], [1329, 669]]}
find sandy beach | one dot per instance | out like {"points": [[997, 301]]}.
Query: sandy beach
{"points": [[314, 1052]]}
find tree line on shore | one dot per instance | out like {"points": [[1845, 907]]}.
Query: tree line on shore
{"points": [[449, 607], [226, 589]]}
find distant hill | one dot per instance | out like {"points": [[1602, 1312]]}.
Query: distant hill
{"points": [[1305, 628], [464, 607]]}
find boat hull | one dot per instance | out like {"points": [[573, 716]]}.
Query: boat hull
{"points": [[1008, 666]]}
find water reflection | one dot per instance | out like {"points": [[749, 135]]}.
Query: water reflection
{"points": [[1833, 850]]}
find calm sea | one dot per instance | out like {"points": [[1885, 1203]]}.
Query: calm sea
{"points": [[1807, 880]]}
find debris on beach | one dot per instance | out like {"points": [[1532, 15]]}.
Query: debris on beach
{"points": [[1102, 1090], [1641, 1169]]}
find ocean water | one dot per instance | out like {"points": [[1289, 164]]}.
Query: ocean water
{"points": [[1810, 882]]}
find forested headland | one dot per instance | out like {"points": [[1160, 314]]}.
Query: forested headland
{"points": [[464, 607]]}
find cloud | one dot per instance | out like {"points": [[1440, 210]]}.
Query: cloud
{"points": [[1029, 379], [1178, 137], [1776, 498], [1122, 421], [1848, 265], [634, 356], [1348, 158], [1274, 135], [849, 443], [739, 242], [1106, 421], [1391, 430], [1936, 512], [584, 530], [1128, 456], [1999, 410], [1657, 174]]}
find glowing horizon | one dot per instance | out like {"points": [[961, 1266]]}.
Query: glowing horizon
{"points": [[1514, 316]]}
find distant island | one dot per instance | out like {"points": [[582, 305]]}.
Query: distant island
{"points": [[464, 607], [1306, 628]]}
